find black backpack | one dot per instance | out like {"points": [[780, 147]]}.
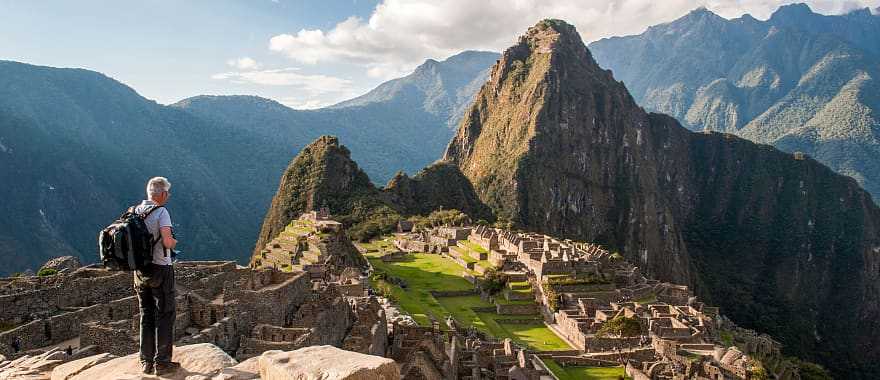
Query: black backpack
{"points": [[127, 244]]}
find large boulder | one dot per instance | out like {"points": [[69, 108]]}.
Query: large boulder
{"points": [[324, 363], [197, 361]]}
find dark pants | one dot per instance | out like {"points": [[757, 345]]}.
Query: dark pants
{"points": [[155, 289]]}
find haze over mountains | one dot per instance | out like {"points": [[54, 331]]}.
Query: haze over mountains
{"points": [[800, 81], [76, 148]]}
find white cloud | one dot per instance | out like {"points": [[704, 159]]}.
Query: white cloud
{"points": [[243, 63], [314, 83], [400, 34], [313, 90]]}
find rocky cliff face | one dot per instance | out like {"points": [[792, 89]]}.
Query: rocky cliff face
{"points": [[786, 246]]}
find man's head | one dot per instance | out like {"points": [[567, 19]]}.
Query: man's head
{"points": [[158, 190]]}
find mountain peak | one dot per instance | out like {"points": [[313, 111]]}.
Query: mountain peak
{"points": [[792, 11], [551, 33]]}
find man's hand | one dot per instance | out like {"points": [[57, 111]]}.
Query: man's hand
{"points": [[168, 238]]}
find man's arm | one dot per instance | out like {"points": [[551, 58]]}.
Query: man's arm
{"points": [[165, 229], [167, 240]]}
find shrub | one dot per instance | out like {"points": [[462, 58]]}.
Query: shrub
{"points": [[552, 297], [47, 272]]}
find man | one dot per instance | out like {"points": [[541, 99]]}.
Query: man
{"points": [[155, 283]]}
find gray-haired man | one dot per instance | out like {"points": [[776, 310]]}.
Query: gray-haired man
{"points": [[155, 283]]}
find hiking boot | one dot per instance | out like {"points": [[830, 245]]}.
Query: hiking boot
{"points": [[164, 368], [147, 368]]}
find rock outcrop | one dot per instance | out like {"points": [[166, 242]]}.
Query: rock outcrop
{"points": [[325, 362], [784, 245], [62, 264]]}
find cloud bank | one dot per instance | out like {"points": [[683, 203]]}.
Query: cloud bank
{"points": [[314, 90], [400, 34]]}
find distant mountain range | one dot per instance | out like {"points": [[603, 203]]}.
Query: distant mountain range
{"points": [[800, 81], [402, 124], [77, 147]]}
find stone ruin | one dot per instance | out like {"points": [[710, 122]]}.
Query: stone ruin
{"points": [[321, 300], [244, 311]]}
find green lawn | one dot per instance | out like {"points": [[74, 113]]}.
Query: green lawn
{"points": [[474, 246], [585, 373], [426, 272]]}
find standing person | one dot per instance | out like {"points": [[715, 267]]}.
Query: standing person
{"points": [[155, 283]]}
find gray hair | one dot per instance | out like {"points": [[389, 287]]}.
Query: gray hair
{"points": [[157, 185]]}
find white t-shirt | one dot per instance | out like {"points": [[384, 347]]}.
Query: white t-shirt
{"points": [[156, 220]]}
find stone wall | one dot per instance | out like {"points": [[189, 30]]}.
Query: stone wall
{"points": [[114, 337], [44, 332], [84, 287], [516, 309], [596, 344]]}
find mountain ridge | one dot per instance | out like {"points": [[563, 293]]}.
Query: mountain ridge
{"points": [[799, 80]]}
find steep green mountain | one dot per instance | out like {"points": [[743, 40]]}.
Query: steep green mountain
{"points": [[323, 174], [403, 124], [800, 81], [76, 148], [783, 245]]}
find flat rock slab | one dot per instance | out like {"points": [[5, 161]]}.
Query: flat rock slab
{"points": [[325, 363], [197, 361], [68, 370]]}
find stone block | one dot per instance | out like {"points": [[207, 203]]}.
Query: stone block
{"points": [[325, 362]]}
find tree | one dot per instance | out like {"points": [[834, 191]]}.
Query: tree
{"points": [[47, 272], [493, 281], [621, 326]]}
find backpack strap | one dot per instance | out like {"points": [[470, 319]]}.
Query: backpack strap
{"points": [[145, 215], [150, 211]]}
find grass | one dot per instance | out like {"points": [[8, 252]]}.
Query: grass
{"points": [[377, 246], [647, 299], [464, 255], [585, 373], [474, 246], [535, 335], [426, 272]]}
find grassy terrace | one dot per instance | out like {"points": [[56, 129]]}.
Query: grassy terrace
{"points": [[474, 246], [585, 373], [466, 256], [426, 272]]}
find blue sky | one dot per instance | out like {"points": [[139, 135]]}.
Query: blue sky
{"points": [[305, 54]]}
